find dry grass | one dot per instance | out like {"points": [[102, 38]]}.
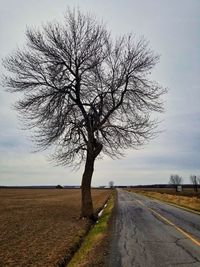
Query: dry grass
{"points": [[39, 227], [188, 192], [191, 202]]}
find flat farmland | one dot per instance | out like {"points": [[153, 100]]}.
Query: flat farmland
{"points": [[40, 227]]}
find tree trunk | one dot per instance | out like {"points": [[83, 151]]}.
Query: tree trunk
{"points": [[87, 206], [196, 188]]}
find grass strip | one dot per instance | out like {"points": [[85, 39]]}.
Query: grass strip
{"points": [[95, 236]]}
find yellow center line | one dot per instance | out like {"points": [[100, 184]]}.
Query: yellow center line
{"points": [[140, 202], [172, 224]]}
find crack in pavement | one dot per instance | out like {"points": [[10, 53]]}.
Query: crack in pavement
{"points": [[185, 249], [142, 238], [183, 263]]}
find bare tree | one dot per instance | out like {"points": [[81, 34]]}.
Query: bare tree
{"points": [[84, 93], [194, 181], [175, 180], [111, 184]]}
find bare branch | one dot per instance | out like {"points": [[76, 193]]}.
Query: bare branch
{"points": [[175, 179], [82, 92]]}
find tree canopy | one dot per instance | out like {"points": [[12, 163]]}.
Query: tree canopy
{"points": [[84, 92], [175, 179]]}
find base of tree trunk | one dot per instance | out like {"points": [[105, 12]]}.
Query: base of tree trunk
{"points": [[92, 217]]}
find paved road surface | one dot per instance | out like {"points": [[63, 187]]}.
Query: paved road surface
{"points": [[149, 233]]}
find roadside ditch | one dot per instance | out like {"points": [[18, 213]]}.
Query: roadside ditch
{"points": [[92, 245]]}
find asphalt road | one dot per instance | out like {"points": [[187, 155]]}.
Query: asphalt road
{"points": [[150, 233]]}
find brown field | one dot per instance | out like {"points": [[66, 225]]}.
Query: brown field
{"points": [[187, 198], [40, 227]]}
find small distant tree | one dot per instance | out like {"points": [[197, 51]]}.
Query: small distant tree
{"points": [[85, 93], [194, 180], [59, 186], [111, 184], [175, 180]]}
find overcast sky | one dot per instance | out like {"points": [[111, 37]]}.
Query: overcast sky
{"points": [[172, 28]]}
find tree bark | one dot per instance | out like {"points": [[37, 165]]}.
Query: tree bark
{"points": [[87, 206]]}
